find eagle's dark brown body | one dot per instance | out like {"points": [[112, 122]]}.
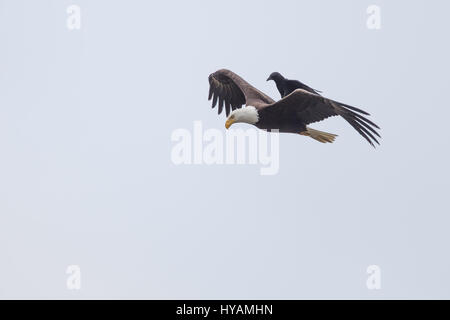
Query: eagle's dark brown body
{"points": [[283, 120]]}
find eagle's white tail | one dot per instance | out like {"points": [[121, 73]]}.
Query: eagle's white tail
{"points": [[320, 136]]}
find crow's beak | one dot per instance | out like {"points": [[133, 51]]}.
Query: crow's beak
{"points": [[269, 78]]}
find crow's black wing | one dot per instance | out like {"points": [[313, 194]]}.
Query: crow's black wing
{"points": [[292, 85]]}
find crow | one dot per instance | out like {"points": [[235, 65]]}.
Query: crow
{"points": [[286, 86]]}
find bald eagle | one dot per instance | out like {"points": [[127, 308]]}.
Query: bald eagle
{"points": [[291, 114]]}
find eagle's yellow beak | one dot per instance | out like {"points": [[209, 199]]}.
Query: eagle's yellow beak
{"points": [[229, 123]]}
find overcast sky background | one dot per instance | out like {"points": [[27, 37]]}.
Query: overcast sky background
{"points": [[86, 176]]}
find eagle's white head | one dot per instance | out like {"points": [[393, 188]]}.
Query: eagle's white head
{"points": [[247, 114]]}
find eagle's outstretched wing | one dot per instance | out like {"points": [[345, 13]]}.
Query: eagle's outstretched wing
{"points": [[231, 91], [311, 108]]}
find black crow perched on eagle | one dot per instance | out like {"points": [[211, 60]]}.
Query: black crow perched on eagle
{"points": [[286, 86], [291, 114]]}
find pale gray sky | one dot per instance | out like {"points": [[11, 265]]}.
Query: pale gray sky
{"points": [[86, 177]]}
